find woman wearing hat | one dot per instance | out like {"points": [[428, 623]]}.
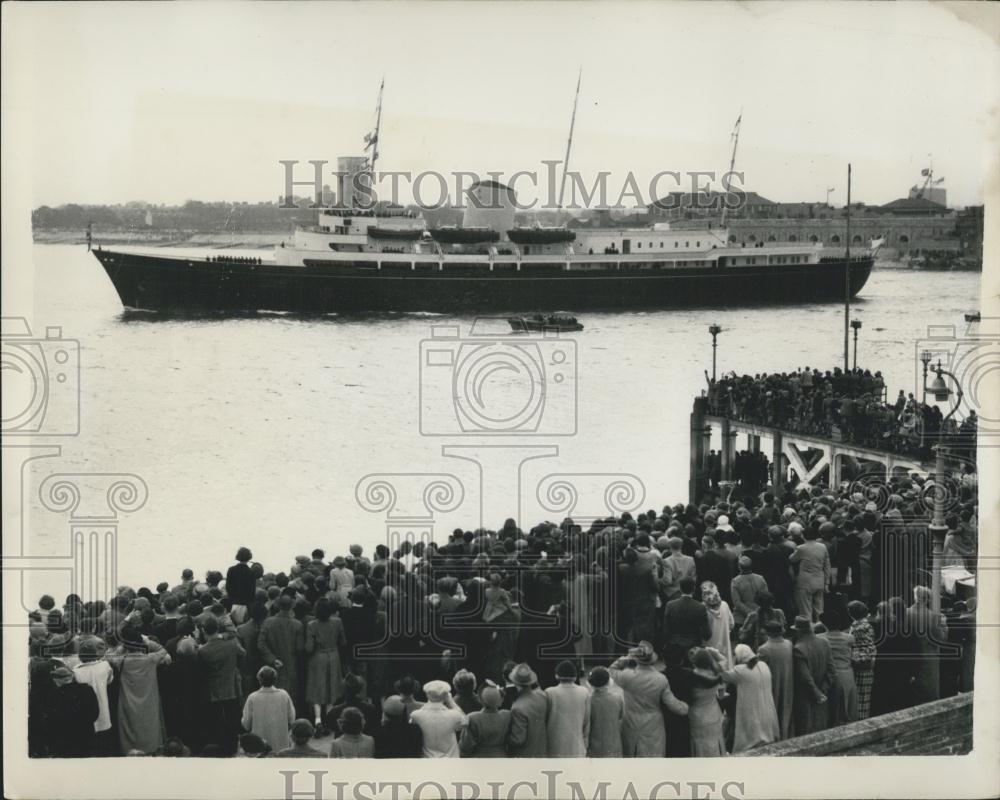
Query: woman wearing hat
{"points": [[485, 733], [647, 692], [756, 717]]}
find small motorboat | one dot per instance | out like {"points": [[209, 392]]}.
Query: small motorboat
{"points": [[544, 322], [974, 316]]}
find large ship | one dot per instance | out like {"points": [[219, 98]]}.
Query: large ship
{"points": [[378, 261], [387, 259]]}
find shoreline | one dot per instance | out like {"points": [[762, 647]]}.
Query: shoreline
{"points": [[176, 238]]}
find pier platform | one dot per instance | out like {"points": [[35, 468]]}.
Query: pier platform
{"points": [[814, 460]]}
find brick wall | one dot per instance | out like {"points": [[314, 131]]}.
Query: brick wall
{"points": [[943, 727]]}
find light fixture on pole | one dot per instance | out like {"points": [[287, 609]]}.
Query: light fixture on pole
{"points": [[925, 359], [856, 324], [715, 330], [938, 528]]}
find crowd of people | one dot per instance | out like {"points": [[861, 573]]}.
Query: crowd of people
{"points": [[696, 631], [850, 406], [235, 260]]}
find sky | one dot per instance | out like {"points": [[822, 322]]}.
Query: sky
{"points": [[161, 103]]}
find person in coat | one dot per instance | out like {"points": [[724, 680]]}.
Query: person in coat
{"points": [[842, 706], [485, 732], [70, 716], [269, 712], [720, 621], [568, 723], [396, 737], [140, 714], [812, 560], [302, 731], [928, 631], [440, 721], [862, 655], [776, 652], [219, 658], [248, 635], [756, 717], [528, 737], [705, 720], [280, 644], [324, 643], [745, 589], [676, 567], [646, 691], [814, 675], [685, 621], [352, 743], [607, 714]]}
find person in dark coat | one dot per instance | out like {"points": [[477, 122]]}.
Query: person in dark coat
{"points": [[248, 635], [891, 689], [281, 643], [220, 657], [355, 694], [775, 569], [678, 727], [637, 591], [359, 630], [928, 632], [713, 565], [528, 737], [70, 716], [814, 677], [241, 585], [685, 621], [397, 738]]}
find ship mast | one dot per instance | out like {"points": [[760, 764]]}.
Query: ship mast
{"points": [[372, 139], [569, 141], [735, 136]]}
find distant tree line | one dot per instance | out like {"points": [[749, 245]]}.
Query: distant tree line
{"points": [[214, 217], [194, 215]]}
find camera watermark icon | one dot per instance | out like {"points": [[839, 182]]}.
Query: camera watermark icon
{"points": [[488, 385], [972, 356], [41, 381]]}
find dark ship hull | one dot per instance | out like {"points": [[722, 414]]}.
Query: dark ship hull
{"points": [[196, 286]]}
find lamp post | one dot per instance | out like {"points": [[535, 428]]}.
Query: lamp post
{"points": [[925, 359], [715, 330], [856, 324], [938, 528]]}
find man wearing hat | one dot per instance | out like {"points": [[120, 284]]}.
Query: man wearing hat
{"points": [[568, 725], [528, 736], [647, 692], [70, 715], [302, 731], [812, 560], [439, 720], [814, 675], [607, 713]]}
